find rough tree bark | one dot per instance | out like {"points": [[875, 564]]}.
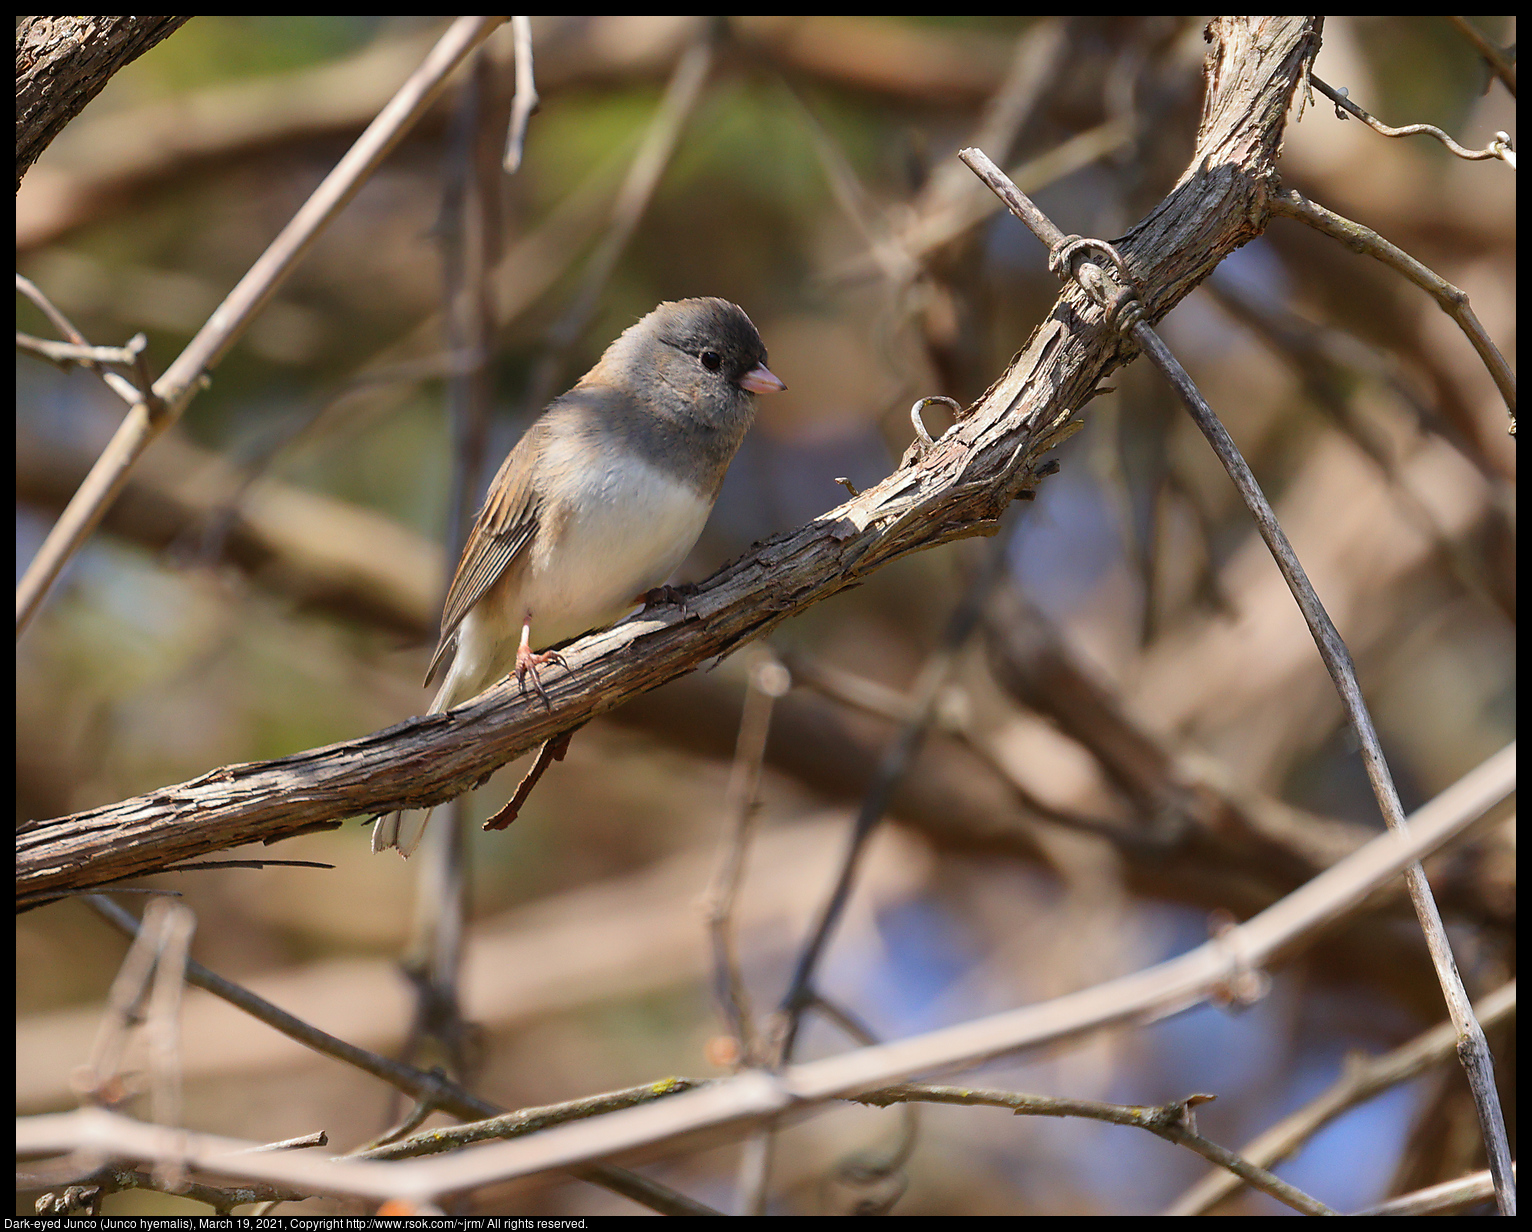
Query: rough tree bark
{"points": [[64, 62]]}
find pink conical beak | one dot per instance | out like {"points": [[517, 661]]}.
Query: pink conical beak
{"points": [[761, 380]]}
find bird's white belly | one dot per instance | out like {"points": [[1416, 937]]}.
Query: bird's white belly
{"points": [[627, 530]]}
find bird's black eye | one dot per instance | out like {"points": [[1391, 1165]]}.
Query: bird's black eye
{"points": [[711, 360]]}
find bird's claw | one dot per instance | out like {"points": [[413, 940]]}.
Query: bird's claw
{"points": [[527, 664]]}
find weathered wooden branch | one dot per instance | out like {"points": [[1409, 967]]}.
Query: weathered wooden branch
{"points": [[955, 488], [64, 62]]}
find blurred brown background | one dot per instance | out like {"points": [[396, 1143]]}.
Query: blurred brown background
{"points": [[272, 579]]}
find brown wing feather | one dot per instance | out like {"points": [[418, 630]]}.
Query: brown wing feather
{"points": [[500, 533]]}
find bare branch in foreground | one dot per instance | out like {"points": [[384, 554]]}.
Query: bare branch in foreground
{"points": [[1155, 992]]}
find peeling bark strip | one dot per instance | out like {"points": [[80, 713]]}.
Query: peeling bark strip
{"points": [[957, 487]]}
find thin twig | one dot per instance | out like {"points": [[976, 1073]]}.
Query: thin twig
{"points": [[433, 956], [925, 234], [1454, 302], [1173, 1122], [301, 1143], [164, 1022], [553, 750], [1448, 1198], [866, 1168], [86, 355], [949, 204], [470, 234], [884, 251], [117, 383], [1042, 56], [768, 680], [198, 865], [98, 1079], [524, 105], [1472, 1047], [1495, 149], [525, 1121], [441, 1091]]}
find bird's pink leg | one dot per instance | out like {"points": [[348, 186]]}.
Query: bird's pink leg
{"points": [[528, 661]]}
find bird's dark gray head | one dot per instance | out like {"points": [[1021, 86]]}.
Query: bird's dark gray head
{"points": [[690, 368], [714, 332], [695, 359]]}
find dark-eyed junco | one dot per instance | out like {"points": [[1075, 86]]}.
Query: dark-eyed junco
{"points": [[598, 502]]}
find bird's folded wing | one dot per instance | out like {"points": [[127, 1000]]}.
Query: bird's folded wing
{"points": [[501, 533]]}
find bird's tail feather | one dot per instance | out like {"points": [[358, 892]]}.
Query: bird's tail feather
{"points": [[404, 829]]}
